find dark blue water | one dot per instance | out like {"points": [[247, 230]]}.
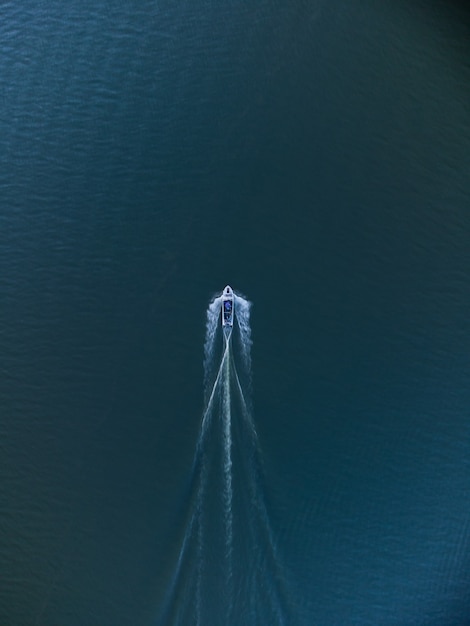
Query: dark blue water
{"points": [[316, 157]]}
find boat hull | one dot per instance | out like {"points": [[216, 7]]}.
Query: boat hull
{"points": [[227, 311]]}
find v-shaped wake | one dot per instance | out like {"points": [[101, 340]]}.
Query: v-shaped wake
{"points": [[227, 570]]}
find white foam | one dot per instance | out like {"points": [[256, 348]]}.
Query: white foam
{"points": [[242, 316], [212, 323], [227, 423]]}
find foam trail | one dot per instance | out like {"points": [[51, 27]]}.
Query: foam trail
{"points": [[246, 411], [242, 316], [275, 585], [207, 413], [200, 553], [177, 575], [228, 488], [212, 319], [227, 509]]}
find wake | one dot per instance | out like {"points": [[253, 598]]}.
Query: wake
{"points": [[227, 570]]}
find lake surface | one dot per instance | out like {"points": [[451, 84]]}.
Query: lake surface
{"points": [[316, 157]]}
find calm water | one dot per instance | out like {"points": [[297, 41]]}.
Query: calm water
{"points": [[314, 155]]}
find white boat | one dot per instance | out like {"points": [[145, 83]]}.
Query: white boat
{"points": [[228, 310]]}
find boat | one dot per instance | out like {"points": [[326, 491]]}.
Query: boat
{"points": [[228, 307]]}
